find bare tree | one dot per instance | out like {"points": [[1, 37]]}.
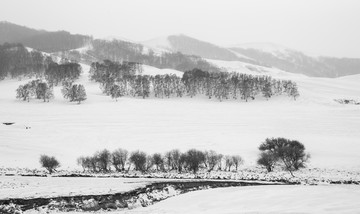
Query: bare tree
{"points": [[193, 159], [267, 160], [212, 159], [138, 158], [119, 158], [103, 160], [290, 152], [237, 160], [49, 163], [158, 161]]}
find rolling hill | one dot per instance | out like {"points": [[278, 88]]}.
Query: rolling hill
{"points": [[264, 54], [40, 39]]}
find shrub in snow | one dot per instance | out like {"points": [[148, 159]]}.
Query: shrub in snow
{"points": [[233, 161], [139, 158], [84, 162], [158, 161], [290, 153], [103, 160], [174, 160], [35, 89], [119, 158], [294, 91], [49, 163], [74, 93], [212, 160], [237, 160], [23, 92], [116, 91], [268, 160], [194, 159], [44, 91]]}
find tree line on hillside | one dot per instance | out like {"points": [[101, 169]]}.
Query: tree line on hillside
{"points": [[120, 79], [65, 73], [59, 73], [283, 153], [40, 39], [120, 51], [16, 61]]}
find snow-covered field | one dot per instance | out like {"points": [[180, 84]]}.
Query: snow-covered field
{"points": [[262, 199], [46, 187], [330, 131]]}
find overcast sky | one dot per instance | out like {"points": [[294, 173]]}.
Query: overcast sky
{"points": [[323, 27]]}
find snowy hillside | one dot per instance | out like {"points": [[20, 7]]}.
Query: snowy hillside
{"points": [[265, 47], [328, 129], [265, 54], [191, 46], [150, 70], [262, 199], [295, 61], [45, 187], [159, 43]]}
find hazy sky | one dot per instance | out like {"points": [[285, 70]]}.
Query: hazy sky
{"points": [[325, 27]]}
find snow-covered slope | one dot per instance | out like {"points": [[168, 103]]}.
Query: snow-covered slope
{"points": [[150, 70], [263, 46], [159, 43], [262, 199], [296, 61], [45, 187], [191, 46], [330, 131]]}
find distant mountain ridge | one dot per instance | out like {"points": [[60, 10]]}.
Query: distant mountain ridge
{"points": [[163, 51], [297, 62], [40, 39], [269, 55]]}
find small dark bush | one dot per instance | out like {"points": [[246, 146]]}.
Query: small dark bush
{"points": [[119, 158], [193, 159], [138, 158], [267, 160], [49, 163], [291, 153]]}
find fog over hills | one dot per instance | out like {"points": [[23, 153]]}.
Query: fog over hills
{"points": [[40, 39], [264, 54]]}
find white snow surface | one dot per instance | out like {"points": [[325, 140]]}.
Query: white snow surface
{"points": [[160, 43], [264, 46], [261, 199], [120, 38], [330, 131], [37, 187], [150, 70]]}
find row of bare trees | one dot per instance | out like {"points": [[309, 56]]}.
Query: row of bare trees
{"points": [[190, 161], [17, 61], [59, 73], [274, 152], [123, 79]]}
